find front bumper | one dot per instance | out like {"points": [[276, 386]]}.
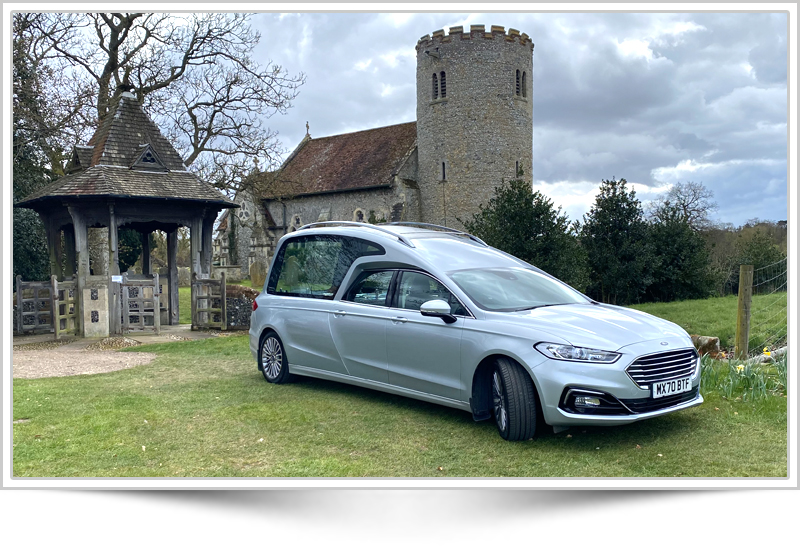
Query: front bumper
{"points": [[555, 379]]}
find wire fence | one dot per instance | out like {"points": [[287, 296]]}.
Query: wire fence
{"points": [[769, 310]]}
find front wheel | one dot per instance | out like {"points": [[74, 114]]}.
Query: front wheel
{"points": [[272, 359], [513, 401]]}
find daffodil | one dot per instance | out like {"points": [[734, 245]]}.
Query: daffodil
{"points": [[740, 368], [766, 352]]}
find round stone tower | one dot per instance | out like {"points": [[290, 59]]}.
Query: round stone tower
{"points": [[474, 118]]}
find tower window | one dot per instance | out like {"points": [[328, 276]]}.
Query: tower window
{"points": [[518, 83], [524, 85], [444, 172], [516, 170], [435, 87], [444, 85]]}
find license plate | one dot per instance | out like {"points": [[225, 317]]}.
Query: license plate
{"points": [[671, 387]]}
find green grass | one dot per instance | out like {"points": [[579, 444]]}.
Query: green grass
{"points": [[202, 409], [717, 317]]}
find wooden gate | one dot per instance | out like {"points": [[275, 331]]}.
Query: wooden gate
{"points": [[208, 303], [65, 307], [141, 304], [34, 306]]}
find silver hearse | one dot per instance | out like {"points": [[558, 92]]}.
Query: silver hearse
{"points": [[435, 314]]}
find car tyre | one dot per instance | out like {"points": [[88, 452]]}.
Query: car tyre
{"points": [[272, 360], [513, 401]]}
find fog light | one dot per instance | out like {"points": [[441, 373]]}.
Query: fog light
{"points": [[583, 401]]}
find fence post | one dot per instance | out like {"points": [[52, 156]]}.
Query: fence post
{"points": [[54, 306], [743, 311], [19, 304], [194, 301], [223, 305]]}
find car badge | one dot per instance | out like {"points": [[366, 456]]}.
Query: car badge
{"points": [[664, 343]]}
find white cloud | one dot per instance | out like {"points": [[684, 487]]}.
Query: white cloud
{"points": [[633, 47]]}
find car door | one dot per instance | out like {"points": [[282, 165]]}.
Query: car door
{"points": [[358, 326], [424, 353]]}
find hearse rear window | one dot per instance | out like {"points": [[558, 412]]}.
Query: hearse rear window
{"points": [[314, 266]]}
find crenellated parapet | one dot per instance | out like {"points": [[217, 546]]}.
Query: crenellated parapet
{"points": [[475, 32]]}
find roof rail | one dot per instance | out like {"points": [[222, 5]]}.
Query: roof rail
{"points": [[359, 224], [439, 227]]}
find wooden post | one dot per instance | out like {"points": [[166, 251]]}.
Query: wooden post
{"points": [[54, 306], [114, 310], [743, 311], [156, 305], [194, 301], [19, 304], [69, 252], [53, 245], [82, 249], [172, 266], [223, 305], [145, 236], [206, 245], [124, 293], [195, 239]]}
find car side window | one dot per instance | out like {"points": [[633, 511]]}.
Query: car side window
{"points": [[417, 288], [315, 266], [371, 289]]}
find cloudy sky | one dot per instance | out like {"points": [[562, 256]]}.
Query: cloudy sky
{"points": [[652, 98]]}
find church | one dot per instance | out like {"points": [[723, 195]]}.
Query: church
{"points": [[474, 129]]}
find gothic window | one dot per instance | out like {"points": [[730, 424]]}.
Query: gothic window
{"points": [[442, 84], [358, 215], [518, 83], [444, 172], [149, 158], [435, 87], [524, 85]]}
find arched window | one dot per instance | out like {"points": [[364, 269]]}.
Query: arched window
{"points": [[444, 172], [524, 85], [517, 88], [444, 85], [435, 87]]}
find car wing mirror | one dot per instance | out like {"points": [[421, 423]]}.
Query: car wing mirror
{"points": [[437, 308]]}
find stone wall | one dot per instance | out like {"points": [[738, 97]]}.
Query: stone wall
{"points": [[481, 128]]}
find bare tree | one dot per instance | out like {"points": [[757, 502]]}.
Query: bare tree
{"points": [[691, 201], [51, 107], [195, 75]]}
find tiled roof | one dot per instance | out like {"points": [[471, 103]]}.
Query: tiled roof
{"points": [[112, 181], [103, 168], [346, 162], [126, 128]]}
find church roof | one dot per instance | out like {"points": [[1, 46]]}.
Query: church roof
{"points": [[128, 157], [345, 162]]}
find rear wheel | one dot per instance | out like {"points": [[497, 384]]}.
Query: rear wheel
{"points": [[513, 401], [272, 359]]}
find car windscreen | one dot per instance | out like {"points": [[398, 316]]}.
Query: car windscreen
{"points": [[514, 289]]}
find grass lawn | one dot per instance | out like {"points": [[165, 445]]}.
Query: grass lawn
{"points": [[717, 317], [202, 409]]}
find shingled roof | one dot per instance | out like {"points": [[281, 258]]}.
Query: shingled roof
{"points": [[345, 162], [128, 158]]}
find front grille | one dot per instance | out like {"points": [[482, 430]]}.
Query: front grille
{"points": [[659, 367], [649, 404]]}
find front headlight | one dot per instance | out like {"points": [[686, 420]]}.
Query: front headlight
{"points": [[565, 352]]}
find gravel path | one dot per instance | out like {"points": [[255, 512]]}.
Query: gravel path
{"points": [[46, 359]]}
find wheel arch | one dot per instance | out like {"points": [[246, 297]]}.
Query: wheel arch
{"points": [[481, 390]]}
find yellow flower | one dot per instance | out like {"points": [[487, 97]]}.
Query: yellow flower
{"points": [[740, 368], [766, 352]]}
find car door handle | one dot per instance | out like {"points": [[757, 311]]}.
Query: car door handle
{"points": [[399, 319], [339, 313]]}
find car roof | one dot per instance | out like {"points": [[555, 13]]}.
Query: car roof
{"points": [[444, 248]]}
